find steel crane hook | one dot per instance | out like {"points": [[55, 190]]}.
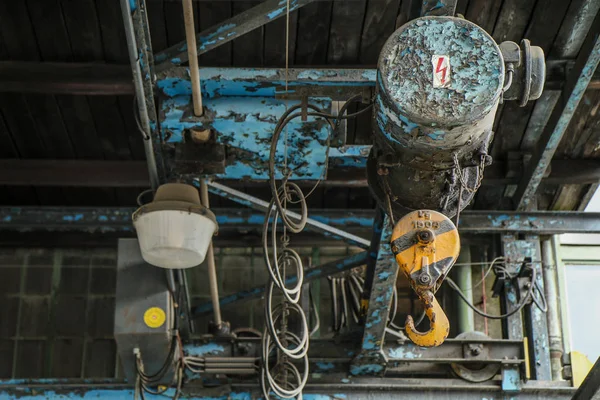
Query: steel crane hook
{"points": [[439, 326], [426, 245]]}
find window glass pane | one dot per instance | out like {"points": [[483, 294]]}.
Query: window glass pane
{"points": [[584, 308]]}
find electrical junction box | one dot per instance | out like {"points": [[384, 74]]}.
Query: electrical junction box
{"points": [[143, 313]]}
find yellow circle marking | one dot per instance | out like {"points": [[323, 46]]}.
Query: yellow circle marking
{"points": [[154, 317]]}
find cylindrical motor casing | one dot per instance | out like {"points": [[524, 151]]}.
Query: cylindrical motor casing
{"points": [[439, 82]]}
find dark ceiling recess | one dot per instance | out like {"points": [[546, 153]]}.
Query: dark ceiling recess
{"points": [[68, 136]]}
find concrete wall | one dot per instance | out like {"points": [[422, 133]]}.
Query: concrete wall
{"points": [[57, 306]]}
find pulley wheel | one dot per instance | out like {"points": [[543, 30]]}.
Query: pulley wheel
{"points": [[475, 372]]}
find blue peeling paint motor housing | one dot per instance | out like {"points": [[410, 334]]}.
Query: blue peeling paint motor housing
{"points": [[439, 83]]}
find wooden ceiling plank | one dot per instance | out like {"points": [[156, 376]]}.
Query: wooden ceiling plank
{"points": [[248, 50], [379, 23], [345, 32], [313, 33], [512, 20], [275, 43], [211, 13]]}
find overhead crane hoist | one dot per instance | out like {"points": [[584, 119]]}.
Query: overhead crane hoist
{"points": [[439, 82]]}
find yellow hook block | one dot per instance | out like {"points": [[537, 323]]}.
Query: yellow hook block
{"points": [[439, 326], [426, 245]]}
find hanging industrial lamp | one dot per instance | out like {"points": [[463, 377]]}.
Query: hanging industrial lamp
{"points": [[175, 229]]}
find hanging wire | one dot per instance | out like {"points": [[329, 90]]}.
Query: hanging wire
{"points": [[532, 286], [279, 375]]}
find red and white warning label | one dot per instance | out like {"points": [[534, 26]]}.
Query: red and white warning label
{"points": [[441, 71]]}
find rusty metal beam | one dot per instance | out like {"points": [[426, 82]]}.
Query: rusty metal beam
{"points": [[228, 30], [575, 86]]}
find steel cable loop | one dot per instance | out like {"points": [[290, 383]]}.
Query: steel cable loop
{"points": [[273, 315], [277, 264], [274, 269], [287, 188], [282, 363], [277, 389], [287, 255]]}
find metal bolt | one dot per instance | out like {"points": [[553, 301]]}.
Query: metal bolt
{"points": [[425, 236], [424, 279], [475, 349], [382, 171]]}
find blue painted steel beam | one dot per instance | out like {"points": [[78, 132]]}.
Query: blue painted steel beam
{"points": [[351, 156], [438, 8], [339, 389], [118, 220], [262, 82], [531, 321], [310, 274], [572, 93], [311, 224], [245, 125], [228, 30], [243, 107], [372, 360]]}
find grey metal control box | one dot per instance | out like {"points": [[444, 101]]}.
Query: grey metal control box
{"points": [[143, 313]]}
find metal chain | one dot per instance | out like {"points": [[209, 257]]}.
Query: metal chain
{"points": [[388, 193], [461, 178]]}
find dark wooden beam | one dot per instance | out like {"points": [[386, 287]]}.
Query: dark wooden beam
{"points": [[113, 79], [76, 173], [65, 78], [578, 81], [102, 173]]}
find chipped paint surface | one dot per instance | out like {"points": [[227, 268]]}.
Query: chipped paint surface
{"points": [[259, 82], [386, 270], [476, 63], [416, 117], [204, 350], [534, 320], [352, 156], [113, 394], [511, 380], [245, 126], [404, 353], [366, 369], [325, 366]]}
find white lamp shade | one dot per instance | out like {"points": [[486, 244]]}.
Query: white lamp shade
{"points": [[174, 239]]}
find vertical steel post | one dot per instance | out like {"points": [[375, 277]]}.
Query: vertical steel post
{"points": [[553, 314], [534, 320], [513, 325], [142, 61], [210, 260], [190, 37], [562, 293], [464, 278]]}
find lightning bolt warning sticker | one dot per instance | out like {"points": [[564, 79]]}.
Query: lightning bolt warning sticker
{"points": [[441, 71]]}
